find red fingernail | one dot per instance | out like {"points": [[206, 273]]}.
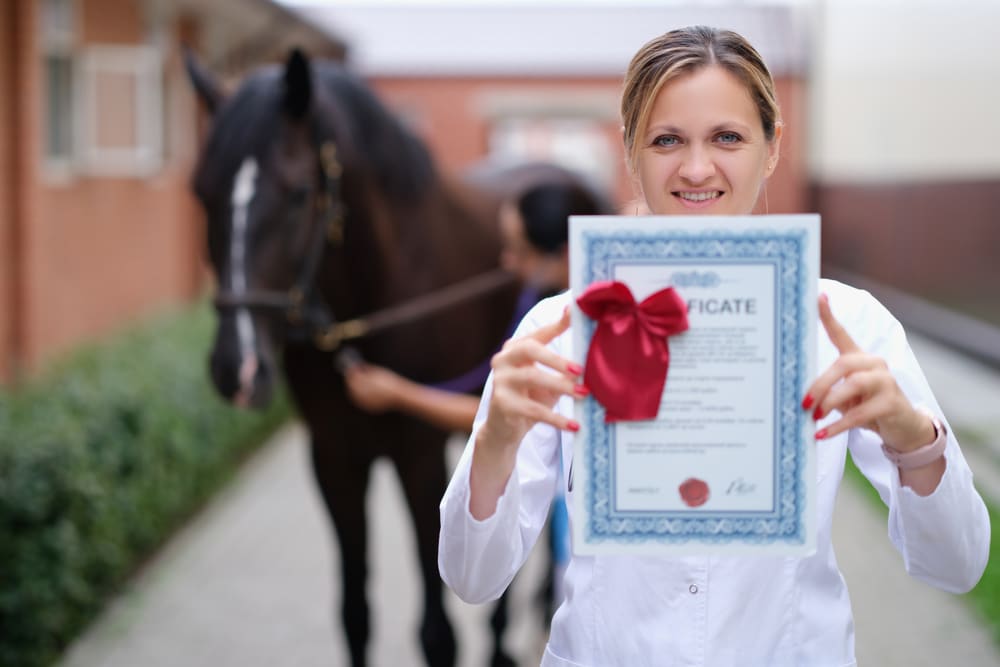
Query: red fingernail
{"points": [[821, 434], [818, 413], [581, 390], [807, 402], [575, 369], [572, 426]]}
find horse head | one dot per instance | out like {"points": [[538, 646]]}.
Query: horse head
{"points": [[253, 179], [322, 207], [269, 179]]}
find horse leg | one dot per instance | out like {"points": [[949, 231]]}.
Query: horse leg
{"points": [[423, 478], [343, 485]]}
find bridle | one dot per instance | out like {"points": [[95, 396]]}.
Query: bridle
{"points": [[304, 308], [300, 305]]}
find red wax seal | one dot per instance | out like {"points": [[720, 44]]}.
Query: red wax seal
{"points": [[694, 492]]}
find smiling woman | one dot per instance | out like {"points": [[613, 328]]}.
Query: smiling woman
{"points": [[702, 134], [710, 138]]}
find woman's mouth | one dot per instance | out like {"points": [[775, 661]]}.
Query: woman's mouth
{"points": [[698, 199]]}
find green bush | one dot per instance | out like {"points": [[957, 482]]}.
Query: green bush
{"points": [[100, 459]]}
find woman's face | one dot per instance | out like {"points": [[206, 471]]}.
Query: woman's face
{"points": [[704, 150]]}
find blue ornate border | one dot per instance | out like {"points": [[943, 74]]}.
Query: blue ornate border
{"points": [[786, 522]]}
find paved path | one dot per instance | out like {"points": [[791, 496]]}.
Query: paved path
{"points": [[250, 581]]}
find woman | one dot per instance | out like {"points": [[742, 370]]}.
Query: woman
{"points": [[702, 134]]}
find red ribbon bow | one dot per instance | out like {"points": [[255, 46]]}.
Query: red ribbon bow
{"points": [[628, 357]]}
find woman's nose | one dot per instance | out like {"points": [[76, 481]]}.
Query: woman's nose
{"points": [[696, 166]]}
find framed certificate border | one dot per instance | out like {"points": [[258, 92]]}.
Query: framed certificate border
{"points": [[788, 244]]}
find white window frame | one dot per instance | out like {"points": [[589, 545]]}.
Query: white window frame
{"points": [[57, 39], [145, 65], [562, 112]]}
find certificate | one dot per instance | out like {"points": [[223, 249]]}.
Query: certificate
{"points": [[727, 465]]}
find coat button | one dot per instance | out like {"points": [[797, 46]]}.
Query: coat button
{"points": [[693, 589]]}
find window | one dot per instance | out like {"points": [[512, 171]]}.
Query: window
{"points": [[104, 112], [572, 127], [58, 42], [577, 143], [121, 110]]}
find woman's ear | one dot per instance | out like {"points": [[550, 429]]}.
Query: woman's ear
{"points": [[774, 149], [633, 178]]}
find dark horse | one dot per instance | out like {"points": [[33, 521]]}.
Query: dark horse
{"points": [[324, 217]]}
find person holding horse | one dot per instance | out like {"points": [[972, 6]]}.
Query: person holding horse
{"points": [[534, 230], [702, 133]]}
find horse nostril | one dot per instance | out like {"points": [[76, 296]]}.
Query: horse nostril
{"points": [[263, 386], [225, 376]]}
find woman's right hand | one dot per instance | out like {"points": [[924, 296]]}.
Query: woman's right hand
{"points": [[525, 394], [525, 391]]}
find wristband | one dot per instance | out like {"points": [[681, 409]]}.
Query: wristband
{"points": [[924, 455]]}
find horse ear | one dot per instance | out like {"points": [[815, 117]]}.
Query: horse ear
{"points": [[209, 91], [298, 85]]}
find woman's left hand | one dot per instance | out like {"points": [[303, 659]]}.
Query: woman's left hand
{"points": [[861, 387]]}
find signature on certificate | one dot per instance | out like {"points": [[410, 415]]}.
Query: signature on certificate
{"points": [[740, 487]]}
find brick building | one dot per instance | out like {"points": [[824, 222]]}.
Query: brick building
{"points": [[99, 127], [543, 80], [889, 130], [98, 134]]}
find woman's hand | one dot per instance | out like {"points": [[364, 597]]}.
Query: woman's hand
{"points": [[528, 380], [525, 394], [861, 387]]}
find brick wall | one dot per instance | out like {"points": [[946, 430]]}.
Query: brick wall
{"points": [[18, 165], [937, 240], [97, 252], [7, 204], [80, 257], [449, 114]]}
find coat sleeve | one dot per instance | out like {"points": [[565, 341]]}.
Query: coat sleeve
{"points": [[943, 538], [478, 559]]}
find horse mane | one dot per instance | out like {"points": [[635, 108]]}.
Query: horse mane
{"points": [[367, 134], [400, 162]]}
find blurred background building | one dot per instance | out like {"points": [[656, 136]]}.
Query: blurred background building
{"points": [[98, 136], [888, 109], [515, 80], [902, 152]]}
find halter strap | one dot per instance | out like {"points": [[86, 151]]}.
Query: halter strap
{"points": [[306, 310]]}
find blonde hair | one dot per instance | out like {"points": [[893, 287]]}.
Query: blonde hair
{"points": [[683, 51]]}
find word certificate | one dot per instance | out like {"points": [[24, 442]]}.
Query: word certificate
{"points": [[727, 465]]}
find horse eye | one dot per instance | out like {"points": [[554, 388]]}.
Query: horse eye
{"points": [[299, 196]]}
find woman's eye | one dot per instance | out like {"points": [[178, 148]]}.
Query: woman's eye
{"points": [[666, 140], [729, 138]]}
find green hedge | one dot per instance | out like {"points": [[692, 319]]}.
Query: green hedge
{"points": [[100, 459]]}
